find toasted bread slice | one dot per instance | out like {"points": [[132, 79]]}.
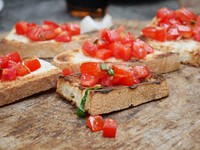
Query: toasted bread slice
{"points": [[188, 49], [41, 49], [109, 99], [43, 79], [158, 62]]}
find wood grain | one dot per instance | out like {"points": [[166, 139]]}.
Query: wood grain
{"points": [[47, 121]]}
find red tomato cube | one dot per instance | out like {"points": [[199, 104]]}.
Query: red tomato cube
{"points": [[8, 74], [14, 56], [110, 128], [32, 64], [66, 72], [95, 123]]}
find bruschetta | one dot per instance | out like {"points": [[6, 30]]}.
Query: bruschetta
{"points": [[105, 88], [118, 47], [176, 31], [20, 79]]}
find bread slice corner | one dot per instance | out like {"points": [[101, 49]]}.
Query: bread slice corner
{"points": [[40, 80]]}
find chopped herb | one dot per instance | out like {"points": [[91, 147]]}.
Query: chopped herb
{"points": [[111, 71], [193, 22], [96, 41], [104, 67], [81, 111]]}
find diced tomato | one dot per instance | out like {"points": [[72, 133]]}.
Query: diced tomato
{"points": [[22, 69], [102, 34], [139, 49], [14, 56], [63, 37], [3, 62], [128, 38], [112, 36], [11, 64], [120, 51], [184, 15], [93, 69], [165, 25], [110, 128], [173, 33], [185, 31], [165, 14], [52, 25], [95, 123], [32, 64], [74, 29], [123, 53], [88, 80], [21, 27], [174, 21], [149, 31], [141, 71], [66, 72], [8, 74], [123, 75], [89, 48], [101, 43], [160, 34], [36, 33], [49, 34], [107, 80], [103, 54]]}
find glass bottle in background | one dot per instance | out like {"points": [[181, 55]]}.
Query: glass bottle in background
{"points": [[82, 8]]}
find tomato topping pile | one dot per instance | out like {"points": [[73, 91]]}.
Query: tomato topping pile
{"points": [[96, 123], [11, 66], [174, 24], [116, 43], [47, 31], [108, 74]]}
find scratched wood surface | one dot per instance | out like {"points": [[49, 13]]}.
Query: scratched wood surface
{"points": [[47, 121]]}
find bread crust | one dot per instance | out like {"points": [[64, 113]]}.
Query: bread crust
{"points": [[159, 63], [44, 49], [11, 91], [109, 99]]}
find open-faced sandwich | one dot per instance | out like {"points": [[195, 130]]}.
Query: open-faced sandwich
{"points": [[43, 41], [118, 47], [104, 88], [19, 79], [175, 31]]}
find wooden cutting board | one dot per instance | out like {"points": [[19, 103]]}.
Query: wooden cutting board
{"points": [[47, 121]]}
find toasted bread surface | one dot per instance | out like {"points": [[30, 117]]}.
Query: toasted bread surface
{"points": [[158, 62], [41, 80], [189, 50], [41, 49], [109, 99]]}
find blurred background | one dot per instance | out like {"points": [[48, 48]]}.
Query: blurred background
{"points": [[56, 10]]}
